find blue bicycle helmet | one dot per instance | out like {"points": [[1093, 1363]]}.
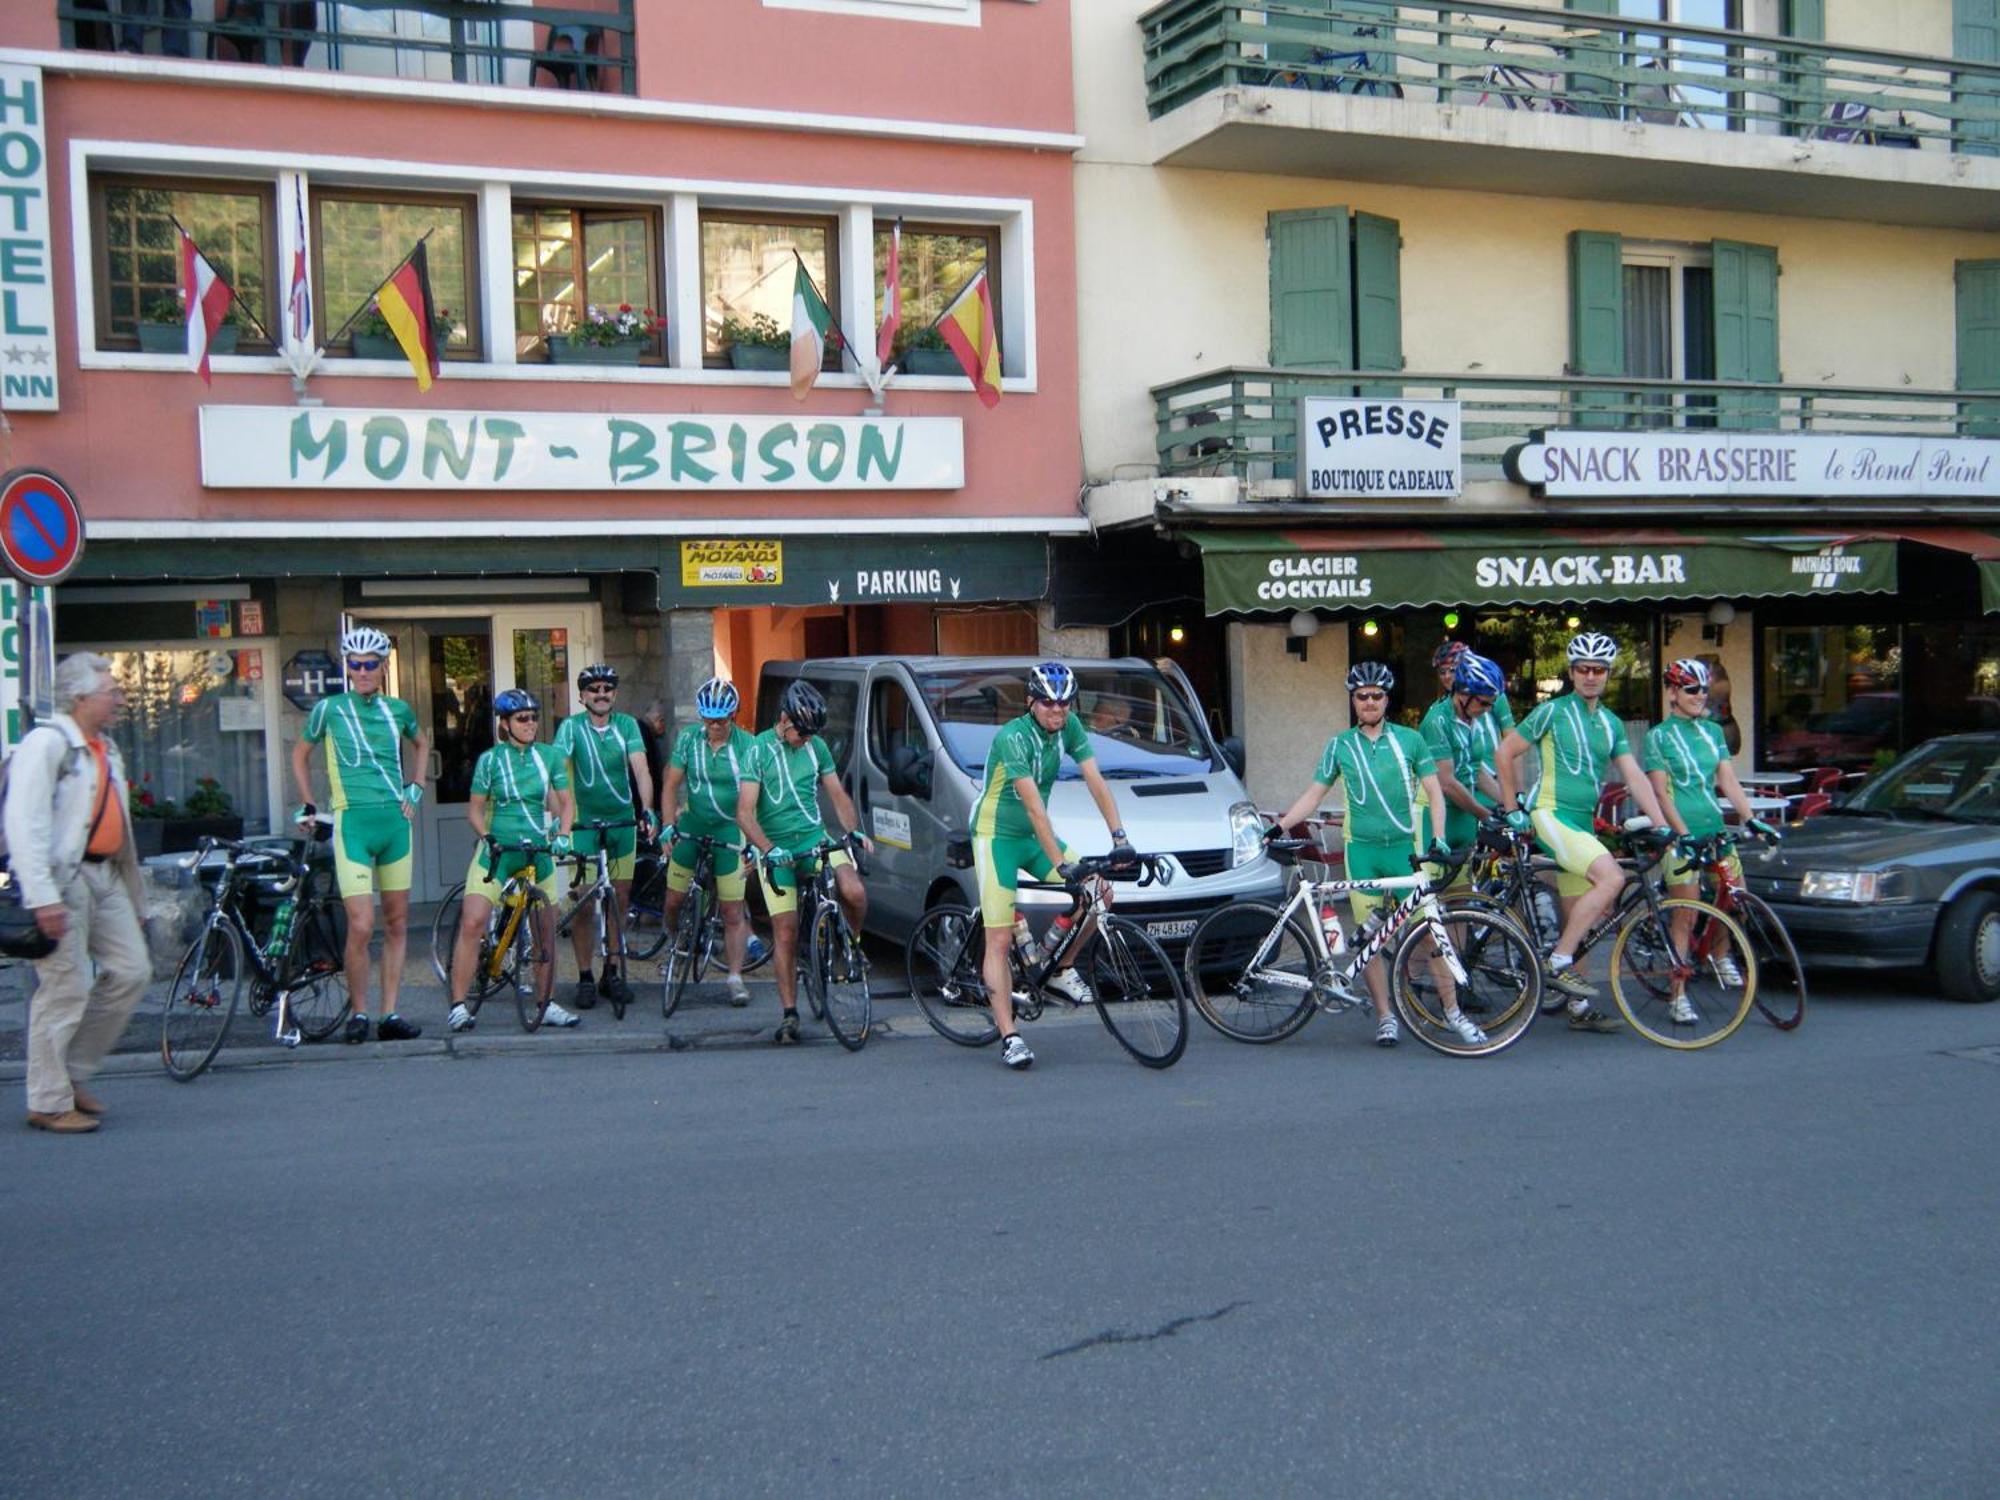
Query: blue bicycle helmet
{"points": [[1475, 674], [1052, 682], [716, 699], [514, 701]]}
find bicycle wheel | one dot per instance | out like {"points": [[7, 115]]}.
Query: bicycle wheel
{"points": [[1249, 977], [942, 959], [1138, 992], [524, 950], [812, 981], [1648, 971], [1498, 988], [645, 912], [685, 957], [207, 987], [843, 977], [1781, 973], [611, 947], [318, 971], [444, 932]]}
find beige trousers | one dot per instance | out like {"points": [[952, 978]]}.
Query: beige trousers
{"points": [[75, 1017]]}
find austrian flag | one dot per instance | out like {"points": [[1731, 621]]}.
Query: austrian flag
{"points": [[206, 296]]}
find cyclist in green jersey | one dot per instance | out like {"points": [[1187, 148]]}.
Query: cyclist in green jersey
{"points": [[606, 761], [1386, 776], [1460, 732], [710, 761], [1581, 742], [777, 807], [1011, 833], [374, 800], [1444, 661], [1687, 760], [520, 792]]}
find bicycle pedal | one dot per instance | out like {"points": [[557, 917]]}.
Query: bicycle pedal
{"points": [[289, 1038]]}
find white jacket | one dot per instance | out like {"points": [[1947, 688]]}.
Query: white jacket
{"points": [[51, 793]]}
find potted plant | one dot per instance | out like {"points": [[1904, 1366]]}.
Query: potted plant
{"points": [[928, 354], [756, 343], [374, 339], [163, 326], [607, 336], [163, 826]]}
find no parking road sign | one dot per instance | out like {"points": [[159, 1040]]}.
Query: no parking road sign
{"points": [[41, 526]]}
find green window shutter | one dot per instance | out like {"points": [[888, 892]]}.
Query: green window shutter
{"points": [[1806, 20], [1979, 343], [1597, 321], [1746, 330], [1975, 37], [1586, 84], [1312, 288], [1378, 293]]}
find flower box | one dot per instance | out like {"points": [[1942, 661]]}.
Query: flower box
{"points": [[376, 346], [171, 338], [931, 362], [179, 835], [564, 351], [759, 357]]}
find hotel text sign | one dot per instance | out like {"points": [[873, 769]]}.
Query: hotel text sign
{"points": [[328, 448], [27, 296], [1753, 463], [1378, 449]]}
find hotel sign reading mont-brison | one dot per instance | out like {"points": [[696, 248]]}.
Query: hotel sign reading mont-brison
{"points": [[329, 448], [1701, 464]]}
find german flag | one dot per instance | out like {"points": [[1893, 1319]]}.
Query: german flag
{"points": [[405, 304]]}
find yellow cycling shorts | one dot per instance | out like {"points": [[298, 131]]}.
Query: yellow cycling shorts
{"points": [[486, 884], [781, 886], [727, 863], [1573, 850]]}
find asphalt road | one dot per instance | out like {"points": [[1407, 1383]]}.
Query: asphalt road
{"points": [[1585, 1267]]}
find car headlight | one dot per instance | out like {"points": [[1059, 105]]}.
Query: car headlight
{"points": [[1246, 832], [1860, 887]]}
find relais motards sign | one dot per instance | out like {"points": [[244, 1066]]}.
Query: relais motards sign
{"points": [[1699, 464], [1369, 449]]}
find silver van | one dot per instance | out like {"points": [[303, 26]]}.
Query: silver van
{"points": [[909, 736]]}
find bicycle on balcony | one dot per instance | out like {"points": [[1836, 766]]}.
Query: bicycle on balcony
{"points": [[1329, 70]]}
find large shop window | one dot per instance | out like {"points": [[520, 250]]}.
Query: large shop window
{"points": [[568, 261], [138, 268], [193, 713], [935, 265], [1833, 695], [1530, 645], [748, 269], [364, 237]]}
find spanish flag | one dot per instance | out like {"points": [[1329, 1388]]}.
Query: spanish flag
{"points": [[968, 328], [405, 303]]}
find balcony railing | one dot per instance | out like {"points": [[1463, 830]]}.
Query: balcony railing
{"points": [[1517, 57], [1243, 420], [585, 45]]}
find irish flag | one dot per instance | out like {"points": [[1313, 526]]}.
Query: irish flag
{"points": [[969, 330], [810, 322], [206, 296]]}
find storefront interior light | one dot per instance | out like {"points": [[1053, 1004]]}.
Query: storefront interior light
{"points": [[1370, 629], [1451, 620], [1176, 635], [1573, 623]]}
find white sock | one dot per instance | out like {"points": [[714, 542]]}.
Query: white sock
{"points": [[1559, 961]]}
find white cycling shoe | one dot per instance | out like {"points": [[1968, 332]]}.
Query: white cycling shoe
{"points": [[1072, 986]]}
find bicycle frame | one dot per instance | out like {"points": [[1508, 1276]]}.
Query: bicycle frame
{"points": [[1419, 905], [225, 907], [601, 889]]}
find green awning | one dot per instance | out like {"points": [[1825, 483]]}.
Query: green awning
{"points": [[1263, 571]]}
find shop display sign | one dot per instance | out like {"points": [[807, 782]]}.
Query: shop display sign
{"points": [[325, 448], [1379, 449], [732, 564], [27, 296], [1753, 463]]}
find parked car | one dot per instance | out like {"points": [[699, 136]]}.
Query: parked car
{"points": [[1905, 873], [909, 737]]}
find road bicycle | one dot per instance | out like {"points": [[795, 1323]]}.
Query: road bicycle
{"points": [[1133, 984], [598, 898], [1258, 973], [832, 968], [297, 970], [698, 930], [1511, 86], [1649, 969], [1781, 973], [511, 952]]}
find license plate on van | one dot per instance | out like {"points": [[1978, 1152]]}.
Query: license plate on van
{"points": [[1184, 927]]}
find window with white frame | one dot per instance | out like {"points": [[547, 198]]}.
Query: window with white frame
{"points": [[959, 12], [1670, 322]]}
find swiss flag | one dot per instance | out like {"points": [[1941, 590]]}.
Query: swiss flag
{"points": [[206, 296]]}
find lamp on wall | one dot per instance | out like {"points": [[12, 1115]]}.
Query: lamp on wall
{"points": [[1301, 628], [1720, 614]]}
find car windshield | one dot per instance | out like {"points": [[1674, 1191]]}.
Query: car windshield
{"points": [[1946, 779], [1139, 724]]}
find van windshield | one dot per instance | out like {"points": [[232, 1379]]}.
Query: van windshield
{"points": [[1139, 724]]}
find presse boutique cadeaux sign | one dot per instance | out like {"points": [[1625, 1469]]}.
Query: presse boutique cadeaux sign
{"points": [[1378, 449]]}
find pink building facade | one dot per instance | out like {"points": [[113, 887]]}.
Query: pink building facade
{"points": [[662, 502]]}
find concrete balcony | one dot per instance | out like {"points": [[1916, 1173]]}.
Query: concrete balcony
{"points": [[1523, 99]]}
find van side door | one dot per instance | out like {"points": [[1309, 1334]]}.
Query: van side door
{"points": [[909, 842]]}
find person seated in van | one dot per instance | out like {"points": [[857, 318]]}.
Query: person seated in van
{"points": [[777, 807], [710, 761], [1011, 833], [1111, 713]]}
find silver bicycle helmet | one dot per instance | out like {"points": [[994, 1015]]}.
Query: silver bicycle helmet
{"points": [[364, 640], [597, 672], [1593, 645], [1370, 674]]}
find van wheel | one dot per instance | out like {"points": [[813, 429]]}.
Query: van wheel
{"points": [[1968, 949]]}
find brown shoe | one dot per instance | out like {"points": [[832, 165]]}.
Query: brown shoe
{"points": [[86, 1102], [67, 1123]]}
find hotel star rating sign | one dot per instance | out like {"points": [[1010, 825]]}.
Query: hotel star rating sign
{"points": [[41, 526]]}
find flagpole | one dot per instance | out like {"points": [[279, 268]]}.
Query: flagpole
{"points": [[363, 307], [236, 300]]}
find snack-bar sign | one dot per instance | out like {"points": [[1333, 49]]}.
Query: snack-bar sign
{"points": [[1753, 463], [1367, 449]]}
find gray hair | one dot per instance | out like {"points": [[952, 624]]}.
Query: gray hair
{"points": [[78, 675]]}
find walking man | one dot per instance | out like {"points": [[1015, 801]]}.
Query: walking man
{"points": [[70, 844]]}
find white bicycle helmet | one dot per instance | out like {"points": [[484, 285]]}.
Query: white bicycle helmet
{"points": [[1593, 645], [364, 640], [1373, 674]]}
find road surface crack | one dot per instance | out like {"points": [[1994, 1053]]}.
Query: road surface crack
{"points": [[1164, 1331]]}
